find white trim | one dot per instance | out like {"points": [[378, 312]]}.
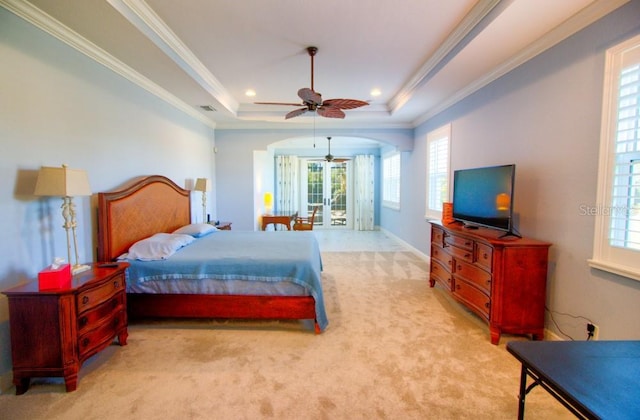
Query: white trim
{"points": [[470, 21], [41, 20], [436, 135], [140, 15], [581, 20], [620, 270], [413, 249], [605, 256]]}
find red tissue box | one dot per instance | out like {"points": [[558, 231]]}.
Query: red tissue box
{"points": [[55, 278]]}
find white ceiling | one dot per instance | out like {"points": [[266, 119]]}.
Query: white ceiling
{"points": [[423, 55]]}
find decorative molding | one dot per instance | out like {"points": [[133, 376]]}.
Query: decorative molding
{"points": [[584, 18], [140, 15], [53, 27], [470, 21]]}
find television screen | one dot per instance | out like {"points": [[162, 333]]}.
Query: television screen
{"points": [[484, 196]]}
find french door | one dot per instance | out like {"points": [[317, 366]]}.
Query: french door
{"points": [[326, 184]]}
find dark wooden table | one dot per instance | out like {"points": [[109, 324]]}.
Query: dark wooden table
{"points": [[593, 379]]}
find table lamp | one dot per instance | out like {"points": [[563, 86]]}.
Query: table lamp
{"points": [[66, 183], [268, 202], [204, 185]]}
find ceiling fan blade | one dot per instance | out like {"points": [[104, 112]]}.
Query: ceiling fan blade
{"points": [[330, 112], [278, 103], [309, 96], [345, 103], [295, 113]]}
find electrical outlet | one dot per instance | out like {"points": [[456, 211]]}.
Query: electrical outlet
{"points": [[593, 330]]}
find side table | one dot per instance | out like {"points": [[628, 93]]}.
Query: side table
{"points": [[221, 225], [53, 331]]}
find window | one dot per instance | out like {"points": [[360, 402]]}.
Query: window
{"points": [[391, 181], [617, 236], [437, 170]]}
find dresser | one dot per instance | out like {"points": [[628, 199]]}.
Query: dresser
{"points": [[53, 331], [501, 279]]}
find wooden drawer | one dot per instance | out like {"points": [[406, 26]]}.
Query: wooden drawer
{"points": [[90, 298], [484, 255], [102, 335], [441, 274], [459, 242], [442, 256], [461, 254], [480, 278], [437, 236], [472, 297], [94, 316]]}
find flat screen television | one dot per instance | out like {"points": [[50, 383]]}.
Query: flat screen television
{"points": [[484, 197]]}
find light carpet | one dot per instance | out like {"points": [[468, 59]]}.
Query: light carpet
{"points": [[394, 349]]}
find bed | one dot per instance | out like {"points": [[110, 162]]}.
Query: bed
{"points": [[223, 274]]}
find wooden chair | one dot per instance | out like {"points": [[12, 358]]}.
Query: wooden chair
{"points": [[305, 223]]}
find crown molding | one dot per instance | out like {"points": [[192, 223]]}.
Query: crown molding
{"points": [[140, 15], [53, 27], [466, 26], [579, 21]]}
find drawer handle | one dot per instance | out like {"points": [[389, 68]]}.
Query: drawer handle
{"points": [[467, 255], [467, 243], [116, 284], [486, 305], [457, 287], [85, 300], [83, 321], [485, 256], [85, 342], [458, 267], [116, 321]]}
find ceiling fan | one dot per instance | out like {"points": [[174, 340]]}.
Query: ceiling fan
{"points": [[312, 100], [329, 157]]}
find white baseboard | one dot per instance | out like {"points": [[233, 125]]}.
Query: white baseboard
{"points": [[406, 244]]}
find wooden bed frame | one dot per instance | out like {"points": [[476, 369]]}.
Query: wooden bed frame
{"points": [[156, 204]]}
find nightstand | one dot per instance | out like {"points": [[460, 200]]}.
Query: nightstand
{"points": [[54, 331], [222, 225]]}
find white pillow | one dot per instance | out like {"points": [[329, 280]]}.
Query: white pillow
{"points": [[158, 247], [196, 230]]}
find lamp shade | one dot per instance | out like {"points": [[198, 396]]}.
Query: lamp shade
{"points": [[268, 199], [62, 182], [202, 184]]}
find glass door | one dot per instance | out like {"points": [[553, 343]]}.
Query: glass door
{"points": [[326, 184]]}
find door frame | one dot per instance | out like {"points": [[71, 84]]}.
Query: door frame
{"points": [[326, 204]]}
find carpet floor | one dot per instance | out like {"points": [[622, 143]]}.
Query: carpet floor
{"points": [[394, 349]]}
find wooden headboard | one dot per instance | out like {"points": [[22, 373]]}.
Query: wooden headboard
{"points": [[146, 206]]}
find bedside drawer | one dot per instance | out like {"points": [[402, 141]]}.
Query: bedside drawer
{"points": [[92, 317], [92, 297], [103, 335]]}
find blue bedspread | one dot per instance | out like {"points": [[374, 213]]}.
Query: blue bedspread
{"points": [[236, 255]]}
